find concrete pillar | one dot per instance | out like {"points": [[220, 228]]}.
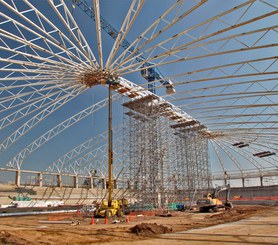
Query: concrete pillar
{"points": [[17, 177], [261, 180], [91, 183], [104, 184], [59, 180], [225, 177], [39, 179], [75, 182], [243, 183]]}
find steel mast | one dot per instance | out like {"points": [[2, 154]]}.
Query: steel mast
{"points": [[110, 148]]}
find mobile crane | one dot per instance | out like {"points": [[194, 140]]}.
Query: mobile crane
{"points": [[151, 74], [110, 207], [211, 202]]}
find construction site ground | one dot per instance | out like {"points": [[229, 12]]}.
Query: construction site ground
{"points": [[240, 225]]}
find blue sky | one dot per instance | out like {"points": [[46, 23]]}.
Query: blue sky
{"points": [[114, 12]]}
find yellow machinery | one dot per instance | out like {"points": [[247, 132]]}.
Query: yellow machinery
{"points": [[211, 203], [117, 208]]}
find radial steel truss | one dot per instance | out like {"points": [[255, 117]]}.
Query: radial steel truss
{"points": [[221, 60]]}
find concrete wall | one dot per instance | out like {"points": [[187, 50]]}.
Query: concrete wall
{"points": [[267, 195], [262, 195], [255, 191], [69, 195]]}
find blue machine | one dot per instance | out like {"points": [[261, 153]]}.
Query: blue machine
{"points": [[151, 74]]}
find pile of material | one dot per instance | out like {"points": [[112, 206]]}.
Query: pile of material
{"points": [[7, 238], [150, 229]]}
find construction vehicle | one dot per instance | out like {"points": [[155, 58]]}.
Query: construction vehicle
{"points": [[212, 203], [117, 208], [110, 207]]}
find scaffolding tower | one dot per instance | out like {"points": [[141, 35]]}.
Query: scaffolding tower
{"points": [[165, 153], [192, 163]]}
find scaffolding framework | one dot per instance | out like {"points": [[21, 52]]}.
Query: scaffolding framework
{"points": [[166, 154]]}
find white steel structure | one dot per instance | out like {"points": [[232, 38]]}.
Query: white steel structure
{"points": [[221, 58]]}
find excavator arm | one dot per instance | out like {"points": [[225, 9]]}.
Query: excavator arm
{"points": [[220, 189]]}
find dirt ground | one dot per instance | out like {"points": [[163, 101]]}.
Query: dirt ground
{"points": [[72, 229]]}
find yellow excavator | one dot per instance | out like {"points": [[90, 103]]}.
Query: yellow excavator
{"points": [[212, 203]]}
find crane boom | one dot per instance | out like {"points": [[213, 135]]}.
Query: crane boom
{"points": [[110, 30], [150, 74]]}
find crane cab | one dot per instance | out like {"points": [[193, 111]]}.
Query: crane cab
{"points": [[150, 74]]}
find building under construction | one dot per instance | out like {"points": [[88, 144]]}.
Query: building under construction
{"points": [[217, 65], [166, 153]]}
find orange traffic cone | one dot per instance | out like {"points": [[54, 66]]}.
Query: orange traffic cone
{"points": [[92, 221], [106, 220], [130, 217]]}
